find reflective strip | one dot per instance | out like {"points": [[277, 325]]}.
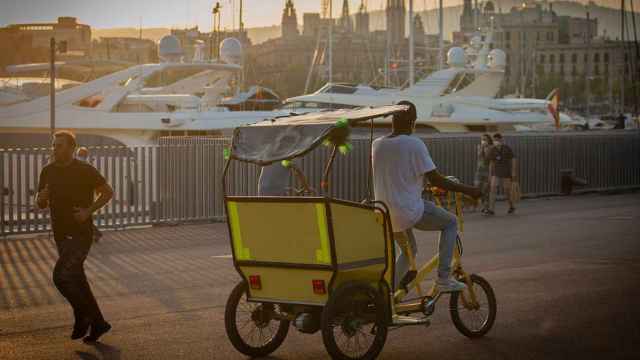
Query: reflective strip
{"points": [[240, 251], [322, 255]]}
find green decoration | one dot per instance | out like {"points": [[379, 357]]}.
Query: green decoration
{"points": [[226, 153], [286, 163], [345, 148], [341, 123]]}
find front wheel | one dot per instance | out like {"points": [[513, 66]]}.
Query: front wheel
{"points": [[252, 327], [474, 319], [354, 322]]}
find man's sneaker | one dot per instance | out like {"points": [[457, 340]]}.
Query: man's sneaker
{"points": [[97, 330], [80, 328], [511, 210], [489, 213], [449, 285]]}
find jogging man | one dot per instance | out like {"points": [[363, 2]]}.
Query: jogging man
{"points": [[401, 163], [67, 188]]}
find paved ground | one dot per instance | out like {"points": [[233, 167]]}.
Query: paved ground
{"points": [[566, 272]]}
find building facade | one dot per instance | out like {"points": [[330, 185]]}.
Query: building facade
{"points": [[29, 43], [359, 55], [133, 50]]}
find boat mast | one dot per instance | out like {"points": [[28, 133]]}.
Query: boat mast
{"points": [[588, 65], [412, 69], [637, 46], [624, 53], [440, 36], [330, 41]]}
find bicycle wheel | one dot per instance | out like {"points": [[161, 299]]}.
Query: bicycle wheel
{"points": [[354, 322], [474, 321], [251, 327]]}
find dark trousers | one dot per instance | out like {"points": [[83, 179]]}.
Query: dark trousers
{"points": [[69, 277]]}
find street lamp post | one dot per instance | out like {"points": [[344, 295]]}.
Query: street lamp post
{"points": [[53, 48], [52, 85]]}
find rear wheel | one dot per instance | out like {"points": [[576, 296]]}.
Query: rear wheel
{"points": [[354, 322], [252, 327], [474, 320]]}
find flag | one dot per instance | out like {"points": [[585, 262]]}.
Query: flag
{"points": [[553, 105]]}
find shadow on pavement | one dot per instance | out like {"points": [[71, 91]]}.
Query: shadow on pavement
{"points": [[104, 351]]}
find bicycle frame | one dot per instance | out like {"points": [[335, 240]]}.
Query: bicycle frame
{"points": [[427, 268]]}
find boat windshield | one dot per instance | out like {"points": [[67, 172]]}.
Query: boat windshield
{"points": [[338, 89]]}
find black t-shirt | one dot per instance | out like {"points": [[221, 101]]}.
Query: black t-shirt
{"points": [[70, 186], [502, 156]]}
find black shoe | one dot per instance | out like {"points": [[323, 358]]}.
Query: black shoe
{"points": [[97, 330], [511, 210], [80, 329], [489, 212]]}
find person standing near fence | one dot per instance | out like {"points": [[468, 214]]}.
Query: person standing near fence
{"points": [[503, 172], [67, 187], [83, 155], [482, 169]]}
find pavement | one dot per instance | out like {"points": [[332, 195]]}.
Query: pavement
{"points": [[565, 270]]}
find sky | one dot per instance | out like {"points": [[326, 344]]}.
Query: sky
{"points": [[176, 13]]}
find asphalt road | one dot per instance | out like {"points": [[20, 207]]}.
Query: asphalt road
{"points": [[566, 272]]}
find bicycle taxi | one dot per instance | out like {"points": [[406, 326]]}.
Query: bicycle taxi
{"points": [[326, 264]]}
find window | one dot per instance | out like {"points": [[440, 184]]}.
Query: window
{"points": [[574, 58], [574, 71], [561, 58], [552, 59], [586, 58], [537, 36], [507, 35], [542, 58], [606, 57], [596, 57], [596, 70]]}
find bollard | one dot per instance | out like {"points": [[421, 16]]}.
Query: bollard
{"points": [[568, 180]]}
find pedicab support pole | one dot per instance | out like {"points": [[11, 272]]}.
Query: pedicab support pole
{"points": [[339, 139]]}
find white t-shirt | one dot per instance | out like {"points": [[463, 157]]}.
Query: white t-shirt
{"points": [[399, 165]]}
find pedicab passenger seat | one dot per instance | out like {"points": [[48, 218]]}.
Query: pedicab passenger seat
{"points": [[300, 246]]}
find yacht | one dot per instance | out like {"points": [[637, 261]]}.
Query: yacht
{"points": [[460, 98], [139, 104]]}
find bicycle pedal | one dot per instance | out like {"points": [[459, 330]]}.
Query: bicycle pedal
{"points": [[407, 279]]}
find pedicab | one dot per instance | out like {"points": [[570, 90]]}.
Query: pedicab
{"points": [[325, 264]]}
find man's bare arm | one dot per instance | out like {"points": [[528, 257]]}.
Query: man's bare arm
{"points": [[105, 193], [436, 179], [42, 199]]}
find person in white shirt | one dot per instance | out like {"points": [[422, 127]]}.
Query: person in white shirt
{"points": [[401, 163]]}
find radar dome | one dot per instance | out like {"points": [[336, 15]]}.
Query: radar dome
{"points": [[456, 57], [170, 49], [497, 59], [231, 51]]}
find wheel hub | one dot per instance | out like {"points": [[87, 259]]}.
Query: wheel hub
{"points": [[262, 315]]}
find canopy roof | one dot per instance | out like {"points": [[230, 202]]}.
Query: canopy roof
{"points": [[288, 137]]}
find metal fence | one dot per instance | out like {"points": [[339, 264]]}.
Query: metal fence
{"points": [[179, 180]]}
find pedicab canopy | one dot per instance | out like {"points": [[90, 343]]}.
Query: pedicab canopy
{"points": [[288, 137]]}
